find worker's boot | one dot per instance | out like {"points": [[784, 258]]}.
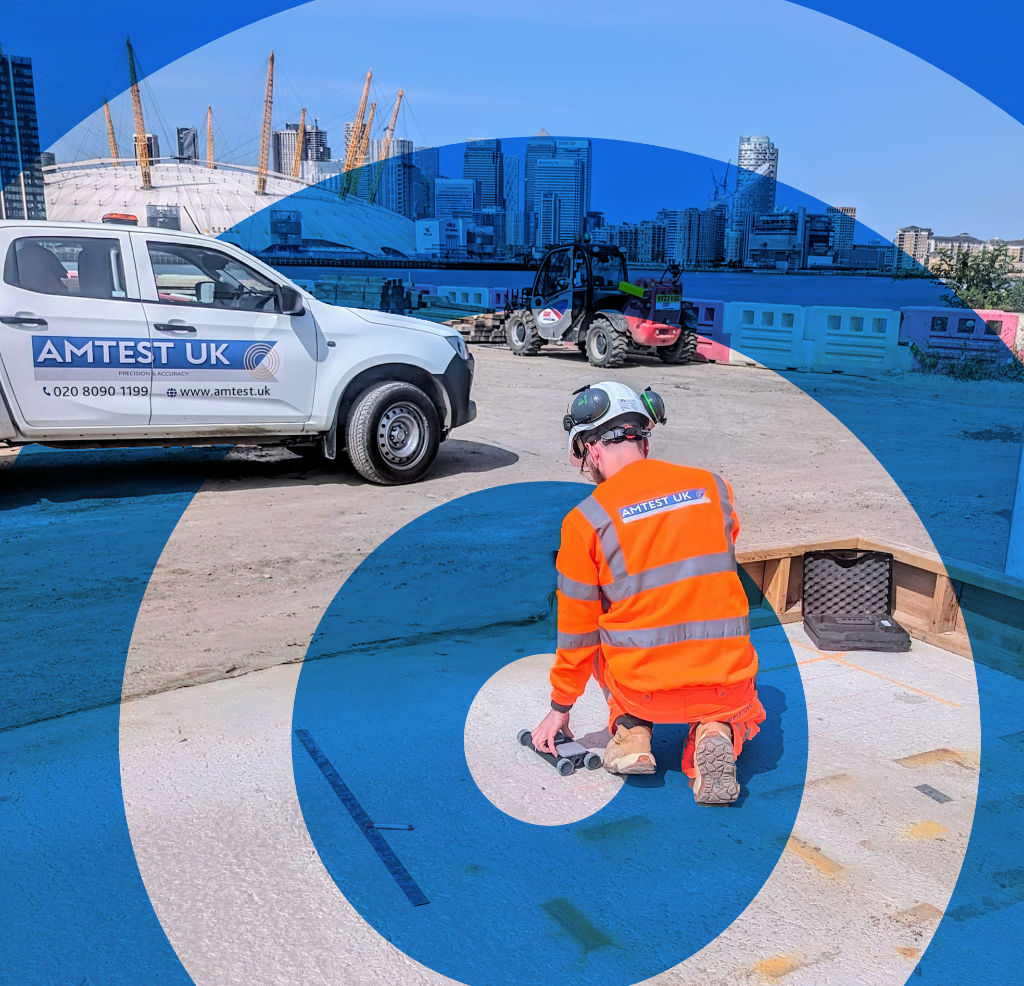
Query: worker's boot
{"points": [[629, 751], [715, 765]]}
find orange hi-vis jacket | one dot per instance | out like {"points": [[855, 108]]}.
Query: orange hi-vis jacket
{"points": [[647, 579]]}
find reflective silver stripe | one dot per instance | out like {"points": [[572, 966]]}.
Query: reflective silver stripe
{"points": [[655, 578], [599, 519], [577, 590], [735, 626], [726, 502], [625, 585], [570, 641]]}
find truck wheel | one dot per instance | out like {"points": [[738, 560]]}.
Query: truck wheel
{"points": [[606, 346], [681, 351], [565, 766], [393, 434], [521, 334]]}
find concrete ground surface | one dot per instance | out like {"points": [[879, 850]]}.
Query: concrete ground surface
{"points": [[217, 829], [206, 731]]}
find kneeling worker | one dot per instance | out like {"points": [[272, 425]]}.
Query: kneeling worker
{"points": [[649, 601]]}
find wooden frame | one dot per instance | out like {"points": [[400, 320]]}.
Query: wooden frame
{"points": [[934, 602]]}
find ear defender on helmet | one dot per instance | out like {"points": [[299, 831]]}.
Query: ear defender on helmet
{"points": [[588, 404], [655, 405]]}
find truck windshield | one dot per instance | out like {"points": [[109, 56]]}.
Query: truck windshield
{"points": [[609, 269]]}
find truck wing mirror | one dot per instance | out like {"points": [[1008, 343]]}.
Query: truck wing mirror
{"points": [[289, 301]]}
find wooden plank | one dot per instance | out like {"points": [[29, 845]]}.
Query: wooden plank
{"points": [[766, 554], [945, 607], [776, 584], [913, 596]]}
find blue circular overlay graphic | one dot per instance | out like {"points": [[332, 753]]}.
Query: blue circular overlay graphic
{"points": [[473, 893]]}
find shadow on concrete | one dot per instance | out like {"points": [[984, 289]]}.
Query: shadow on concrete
{"points": [[760, 755], [69, 476]]}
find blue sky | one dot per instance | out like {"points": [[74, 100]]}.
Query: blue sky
{"points": [[857, 120]]}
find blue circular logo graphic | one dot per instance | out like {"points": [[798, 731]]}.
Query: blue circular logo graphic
{"points": [[478, 895]]}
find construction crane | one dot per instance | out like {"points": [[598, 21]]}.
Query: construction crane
{"points": [[209, 138], [111, 138], [299, 140], [352, 150], [361, 154], [141, 147], [386, 146], [268, 107]]}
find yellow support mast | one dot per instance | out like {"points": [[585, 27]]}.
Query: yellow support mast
{"points": [[268, 107], [386, 146], [363, 143], [111, 137], [299, 141], [141, 147], [351, 151], [209, 138]]}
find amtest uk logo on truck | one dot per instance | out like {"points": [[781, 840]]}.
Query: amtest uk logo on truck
{"points": [[86, 357]]}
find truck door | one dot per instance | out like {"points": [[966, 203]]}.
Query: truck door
{"points": [[224, 353], [75, 351], [552, 299]]}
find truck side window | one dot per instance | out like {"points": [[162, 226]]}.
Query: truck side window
{"points": [[556, 274], [86, 266], [179, 269]]}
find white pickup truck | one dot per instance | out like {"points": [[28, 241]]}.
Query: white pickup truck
{"points": [[119, 335]]}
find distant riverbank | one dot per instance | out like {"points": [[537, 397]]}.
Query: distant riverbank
{"points": [[861, 290]]}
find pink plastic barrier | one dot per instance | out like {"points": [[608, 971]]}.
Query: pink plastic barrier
{"points": [[986, 332]]}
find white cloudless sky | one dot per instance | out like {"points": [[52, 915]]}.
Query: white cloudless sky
{"points": [[857, 120]]}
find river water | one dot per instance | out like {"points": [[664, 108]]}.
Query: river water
{"points": [[859, 290]]}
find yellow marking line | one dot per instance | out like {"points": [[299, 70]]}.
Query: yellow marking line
{"points": [[944, 755], [926, 830], [901, 684], [814, 856], [838, 658], [772, 970]]}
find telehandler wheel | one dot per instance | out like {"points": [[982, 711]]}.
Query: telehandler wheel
{"points": [[681, 351], [606, 346], [521, 333]]}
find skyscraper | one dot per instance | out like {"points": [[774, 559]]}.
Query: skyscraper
{"points": [[756, 174], [558, 188], [844, 220], [21, 178], [483, 162], [540, 147], [188, 144], [541, 175], [314, 146], [396, 188], [454, 198], [912, 246], [514, 233]]}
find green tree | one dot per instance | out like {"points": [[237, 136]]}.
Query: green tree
{"points": [[981, 279]]}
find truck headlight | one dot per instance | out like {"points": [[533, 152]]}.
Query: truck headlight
{"points": [[459, 345]]}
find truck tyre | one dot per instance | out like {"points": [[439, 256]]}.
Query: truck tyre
{"points": [[521, 333], [393, 434], [606, 345], [681, 351]]}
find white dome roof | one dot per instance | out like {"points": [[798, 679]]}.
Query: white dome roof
{"points": [[222, 200]]}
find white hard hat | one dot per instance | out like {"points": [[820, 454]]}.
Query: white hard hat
{"points": [[610, 411]]}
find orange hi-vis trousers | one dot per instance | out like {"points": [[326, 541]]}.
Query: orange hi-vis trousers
{"points": [[736, 704]]}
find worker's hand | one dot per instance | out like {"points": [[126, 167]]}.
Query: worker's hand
{"points": [[543, 735]]}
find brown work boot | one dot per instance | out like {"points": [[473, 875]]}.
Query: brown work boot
{"points": [[629, 751], [715, 764]]}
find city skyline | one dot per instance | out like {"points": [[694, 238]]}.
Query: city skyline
{"points": [[844, 143]]}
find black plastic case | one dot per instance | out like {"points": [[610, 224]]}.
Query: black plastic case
{"points": [[847, 601]]}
